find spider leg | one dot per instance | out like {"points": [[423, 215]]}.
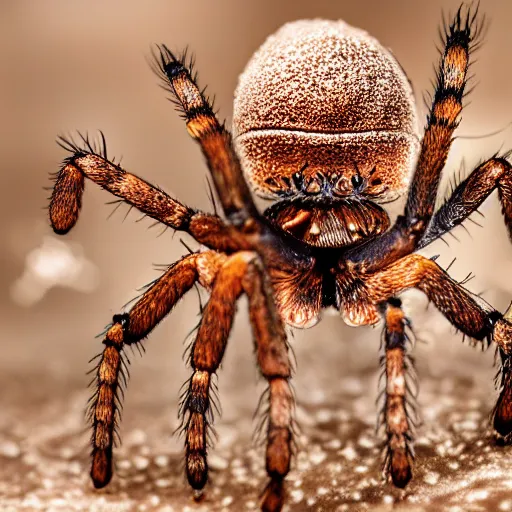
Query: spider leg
{"points": [[495, 173], [399, 451], [274, 364], [468, 313], [66, 199], [214, 139], [207, 352], [460, 38], [131, 328]]}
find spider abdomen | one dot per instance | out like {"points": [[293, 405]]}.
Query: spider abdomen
{"points": [[329, 96]]}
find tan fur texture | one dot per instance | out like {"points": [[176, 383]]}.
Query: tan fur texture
{"points": [[329, 95]]}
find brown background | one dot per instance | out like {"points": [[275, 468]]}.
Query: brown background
{"points": [[81, 65]]}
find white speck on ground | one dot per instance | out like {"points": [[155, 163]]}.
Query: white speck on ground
{"points": [[140, 463], [162, 461], [9, 449], [349, 453], [431, 478], [297, 495], [228, 500]]}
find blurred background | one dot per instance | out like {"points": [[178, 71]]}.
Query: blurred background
{"points": [[82, 65]]}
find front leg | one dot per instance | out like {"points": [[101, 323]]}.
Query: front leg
{"points": [[87, 162], [502, 413], [460, 38], [205, 358], [274, 364], [214, 139], [495, 173], [467, 312]]}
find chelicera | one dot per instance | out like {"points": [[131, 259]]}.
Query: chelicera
{"points": [[325, 125]]}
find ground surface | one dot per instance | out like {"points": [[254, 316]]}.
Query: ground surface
{"points": [[44, 459]]}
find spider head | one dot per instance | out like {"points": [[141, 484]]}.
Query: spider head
{"points": [[328, 211], [325, 122]]}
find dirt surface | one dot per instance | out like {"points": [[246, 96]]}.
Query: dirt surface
{"points": [[44, 460]]}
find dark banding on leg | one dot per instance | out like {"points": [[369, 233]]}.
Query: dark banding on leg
{"points": [[207, 352], [460, 38], [399, 452], [275, 366], [214, 139]]}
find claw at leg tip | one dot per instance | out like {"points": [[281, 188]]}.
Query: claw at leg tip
{"points": [[273, 497], [198, 495]]}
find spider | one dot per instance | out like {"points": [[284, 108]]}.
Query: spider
{"points": [[325, 125]]}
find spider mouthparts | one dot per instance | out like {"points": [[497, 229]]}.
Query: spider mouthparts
{"points": [[338, 224]]}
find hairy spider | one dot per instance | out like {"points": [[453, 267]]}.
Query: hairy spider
{"points": [[325, 124]]}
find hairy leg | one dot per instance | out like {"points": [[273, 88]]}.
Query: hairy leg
{"points": [[207, 352], [274, 363], [86, 162], [214, 139], [495, 173], [399, 452], [467, 312], [460, 38], [130, 328]]}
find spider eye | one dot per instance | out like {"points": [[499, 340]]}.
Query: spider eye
{"points": [[297, 180], [357, 181]]}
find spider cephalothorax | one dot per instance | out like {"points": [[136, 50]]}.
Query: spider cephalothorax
{"points": [[325, 124], [324, 119]]}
